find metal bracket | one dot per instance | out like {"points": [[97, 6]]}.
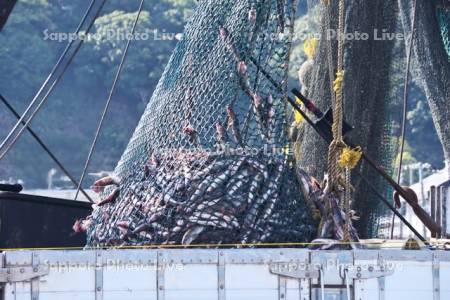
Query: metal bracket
{"points": [[436, 277], [282, 287], [160, 280], [221, 275], [367, 272], [18, 274], [98, 275], [35, 281], [297, 271]]}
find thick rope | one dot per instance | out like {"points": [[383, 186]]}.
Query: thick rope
{"points": [[329, 48], [337, 144], [340, 77], [338, 159], [108, 102], [348, 160]]}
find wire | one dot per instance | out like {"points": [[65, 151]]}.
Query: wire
{"points": [[391, 244], [15, 133], [405, 104], [108, 101], [46, 149]]}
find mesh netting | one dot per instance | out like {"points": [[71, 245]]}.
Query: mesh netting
{"points": [[444, 21], [207, 162]]}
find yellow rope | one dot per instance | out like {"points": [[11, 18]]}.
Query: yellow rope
{"points": [[310, 47], [347, 204], [337, 144], [329, 50], [350, 157], [340, 157], [338, 82], [298, 116]]}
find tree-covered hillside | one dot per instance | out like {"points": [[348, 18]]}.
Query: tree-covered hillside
{"points": [[68, 120]]}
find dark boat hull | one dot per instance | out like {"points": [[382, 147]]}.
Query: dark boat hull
{"points": [[28, 221]]}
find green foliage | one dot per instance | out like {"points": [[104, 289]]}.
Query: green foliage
{"points": [[422, 136], [421, 133], [68, 120]]}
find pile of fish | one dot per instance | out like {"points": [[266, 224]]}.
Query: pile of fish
{"points": [[329, 207], [185, 198]]}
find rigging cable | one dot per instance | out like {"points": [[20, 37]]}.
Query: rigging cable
{"points": [[108, 101], [405, 104], [46, 149], [15, 133]]}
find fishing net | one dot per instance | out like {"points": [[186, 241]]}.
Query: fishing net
{"points": [[444, 21], [208, 161]]}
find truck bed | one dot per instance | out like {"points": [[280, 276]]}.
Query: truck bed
{"points": [[232, 274]]}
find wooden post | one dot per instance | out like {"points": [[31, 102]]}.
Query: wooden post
{"points": [[429, 210], [433, 206], [438, 209], [444, 195]]}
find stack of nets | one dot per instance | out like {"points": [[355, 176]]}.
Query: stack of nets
{"points": [[208, 162]]}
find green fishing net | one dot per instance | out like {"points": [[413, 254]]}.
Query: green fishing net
{"points": [[207, 162], [444, 21]]}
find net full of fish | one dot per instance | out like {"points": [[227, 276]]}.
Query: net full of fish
{"points": [[203, 198], [199, 167]]}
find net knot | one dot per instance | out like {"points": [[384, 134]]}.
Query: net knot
{"points": [[338, 82], [350, 157], [310, 47]]}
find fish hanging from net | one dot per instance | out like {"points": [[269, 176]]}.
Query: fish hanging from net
{"points": [[209, 161]]}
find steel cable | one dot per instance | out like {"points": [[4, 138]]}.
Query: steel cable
{"points": [[108, 101], [45, 148], [405, 104], [15, 133]]}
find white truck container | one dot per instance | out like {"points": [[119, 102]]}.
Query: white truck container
{"points": [[231, 274]]}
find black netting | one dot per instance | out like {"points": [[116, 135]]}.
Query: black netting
{"points": [[208, 161], [444, 22]]}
